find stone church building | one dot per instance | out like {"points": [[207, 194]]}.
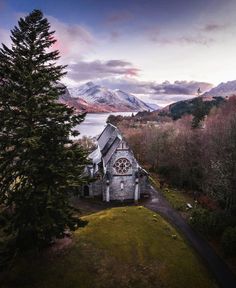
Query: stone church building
{"points": [[115, 172]]}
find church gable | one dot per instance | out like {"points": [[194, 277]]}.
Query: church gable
{"points": [[122, 161]]}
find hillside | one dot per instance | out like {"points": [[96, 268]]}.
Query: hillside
{"points": [[179, 109], [94, 98], [120, 247], [223, 89]]}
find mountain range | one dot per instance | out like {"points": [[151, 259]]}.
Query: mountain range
{"points": [[91, 97], [95, 98]]}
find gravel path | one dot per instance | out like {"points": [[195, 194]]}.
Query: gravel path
{"points": [[217, 266]]}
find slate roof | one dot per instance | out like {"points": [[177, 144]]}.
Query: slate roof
{"points": [[108, 141], [109, 132]]}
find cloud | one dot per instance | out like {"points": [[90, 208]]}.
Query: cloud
{"points": [[136, 86], [212, 27], [197, 36], [128, 84], [197, 39], [166, 92], [180, 87], [83, 70], [118, 63], [73, 41], [118, 16], [201, 35], [115, 35]]}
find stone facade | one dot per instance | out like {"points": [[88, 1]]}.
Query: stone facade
{"points": [[114, 169]]}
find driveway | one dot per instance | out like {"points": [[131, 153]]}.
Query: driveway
{"points": [[217, 266]]}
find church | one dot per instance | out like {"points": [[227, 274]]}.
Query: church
{"points": [[114, 171]]}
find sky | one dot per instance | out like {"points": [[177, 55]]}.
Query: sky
{"points": [[161, 50]]}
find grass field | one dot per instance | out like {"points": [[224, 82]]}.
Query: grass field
{"points": [[120, 247]]}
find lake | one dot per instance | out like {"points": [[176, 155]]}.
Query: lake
{"points": [[94, 123]]}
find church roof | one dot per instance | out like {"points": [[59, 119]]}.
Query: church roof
{"points": [[108, 141], [96, 156], [109, 132]]}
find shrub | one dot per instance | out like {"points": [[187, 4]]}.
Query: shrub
{"points": [[207, 202], [2, 220], [228, 241], [217, 221], [207, 222], [199, 219]]}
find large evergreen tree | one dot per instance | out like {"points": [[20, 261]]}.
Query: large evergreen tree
{"points": [[39, 164]]}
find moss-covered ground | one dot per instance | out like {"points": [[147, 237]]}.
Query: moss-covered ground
{"points": [[120, 247]]}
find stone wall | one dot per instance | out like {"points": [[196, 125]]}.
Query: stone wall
{"points": [[116, 191]]}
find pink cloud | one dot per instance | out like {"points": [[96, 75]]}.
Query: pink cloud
{"points": [[131, 72], [73, 41], [97, 69]]}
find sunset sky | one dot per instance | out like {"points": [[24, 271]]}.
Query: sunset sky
{"points": [[137, 45]]}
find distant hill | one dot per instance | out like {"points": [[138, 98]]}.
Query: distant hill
{"points": [[223, 89], [178, 109], [95, 98]]}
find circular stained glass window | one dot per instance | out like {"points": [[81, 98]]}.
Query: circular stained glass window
{"points": [[122, 165]]}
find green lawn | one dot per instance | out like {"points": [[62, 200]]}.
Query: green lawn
{"points": [[177, 198], [120, 247]]}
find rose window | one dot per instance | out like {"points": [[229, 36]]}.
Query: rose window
{"points": [[122, 165]]}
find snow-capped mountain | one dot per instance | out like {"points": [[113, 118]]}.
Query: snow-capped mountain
{"points": [[102, 99], [223, 89]]}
